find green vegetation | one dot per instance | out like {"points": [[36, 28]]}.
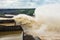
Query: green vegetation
{"points": [[26, 11], [17, 11]]}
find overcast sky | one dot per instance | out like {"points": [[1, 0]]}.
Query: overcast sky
{"points": [[25, 3]]}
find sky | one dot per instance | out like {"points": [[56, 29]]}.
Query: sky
{"points": [[25, 3]]}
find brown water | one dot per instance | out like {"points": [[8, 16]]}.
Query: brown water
{"points": [[13, 35]]}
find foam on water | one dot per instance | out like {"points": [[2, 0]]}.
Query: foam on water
{"points": [[45, 23]]}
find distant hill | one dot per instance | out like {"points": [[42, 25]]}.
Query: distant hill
{"points": [[17, 11]]}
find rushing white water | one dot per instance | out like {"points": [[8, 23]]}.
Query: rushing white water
{"points": [[45, 24], [50, 16]]}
